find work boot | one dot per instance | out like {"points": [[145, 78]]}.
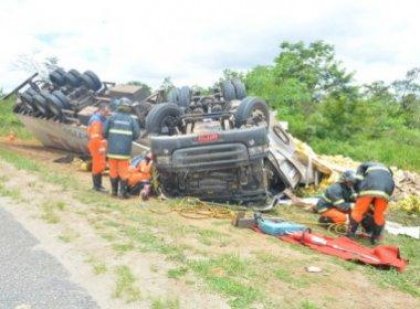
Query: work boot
{"points": [[124, 189], [97, 183], [352, 228], [376, 234], [114, 186]]}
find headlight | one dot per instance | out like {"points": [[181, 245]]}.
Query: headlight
{"points": [[253, 151], [163, 159]]}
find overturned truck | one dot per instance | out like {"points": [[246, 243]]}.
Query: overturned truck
{"points": [[221, 146]]}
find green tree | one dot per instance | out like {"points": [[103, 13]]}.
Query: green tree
{"points": [[146, 88]]}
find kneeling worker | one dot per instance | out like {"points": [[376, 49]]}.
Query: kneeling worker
{"points": [[140, 177], [337, 201]]}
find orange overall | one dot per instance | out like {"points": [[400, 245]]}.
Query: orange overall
{"points": [[335, 215], [97, 147], [141, 173], [380, 205]]}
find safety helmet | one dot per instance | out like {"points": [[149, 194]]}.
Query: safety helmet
{"points": [[124, 105], [348, 176]]}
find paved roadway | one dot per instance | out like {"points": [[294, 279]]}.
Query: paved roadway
{"points": [[30, 277]]}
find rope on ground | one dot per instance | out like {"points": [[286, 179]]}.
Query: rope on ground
{"points": [[196, 209]]}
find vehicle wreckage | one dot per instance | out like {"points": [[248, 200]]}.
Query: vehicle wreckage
{"points": [[224, 146]]}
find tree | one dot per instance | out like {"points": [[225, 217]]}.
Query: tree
{"points": [[146, 88], [314, 67], [407, 91]]}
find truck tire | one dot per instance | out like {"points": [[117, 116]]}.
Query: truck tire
{"points": [[173, 96], [27, 102], [252, 110], [240, 90], [163, 119], [31, 91], [228, 91], [55, 106], [72, 80], [62, 97], [57, 79], [88, 82], [40, 103], [60, 71], [95, 78], [184, 98]]}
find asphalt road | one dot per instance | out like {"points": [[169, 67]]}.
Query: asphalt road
{"points": [[30, 277]]}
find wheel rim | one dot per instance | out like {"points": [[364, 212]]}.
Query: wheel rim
{"points": [[258, 118], [169, 125]]}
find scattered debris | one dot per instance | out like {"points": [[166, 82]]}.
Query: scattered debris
{"points": [[313, 269], [399, 229]]}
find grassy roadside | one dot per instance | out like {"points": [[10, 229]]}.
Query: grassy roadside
{"points": [[243, 280], [9, 123]]}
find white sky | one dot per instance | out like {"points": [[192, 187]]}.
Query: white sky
{"points": [[193, 41]]}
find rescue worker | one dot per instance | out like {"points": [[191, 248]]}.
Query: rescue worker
{"points": [[375, 188], [338, 200], [140, 177], [120, 130], [97, 145]]}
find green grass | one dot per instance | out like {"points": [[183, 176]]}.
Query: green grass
{"points": [[409, 280], [9, 122], [49, 211], [395, 148], [125, 285], [230, 276], [68, 236], [14, 194], [177, 273], [306, 304], [167, 303]]}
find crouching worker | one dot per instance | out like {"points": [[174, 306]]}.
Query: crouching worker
{"points": [[120, 130], [139, 181], [97, 145], [337, 201], [375, 188]]}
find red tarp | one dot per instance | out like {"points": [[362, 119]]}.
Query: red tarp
{"points": [[348, 249]]}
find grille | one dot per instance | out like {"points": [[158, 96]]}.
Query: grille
{"points": [[205, 156]]}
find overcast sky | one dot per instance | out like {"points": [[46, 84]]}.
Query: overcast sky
{"points": [[193, 41]]}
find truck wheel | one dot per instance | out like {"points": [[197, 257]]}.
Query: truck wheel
{"points": [[184, 97], [240, 91], [163, 119], [95, 78], [88, 82], [60, 71], [62, 97], [57, 79], [72, 80], [173, 96], [41, 104], [55, 106], [228, 91], [252, 111], [27, 102]]}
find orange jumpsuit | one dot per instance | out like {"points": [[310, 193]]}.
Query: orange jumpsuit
{"points": [[97, 146], [141, 173]]}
